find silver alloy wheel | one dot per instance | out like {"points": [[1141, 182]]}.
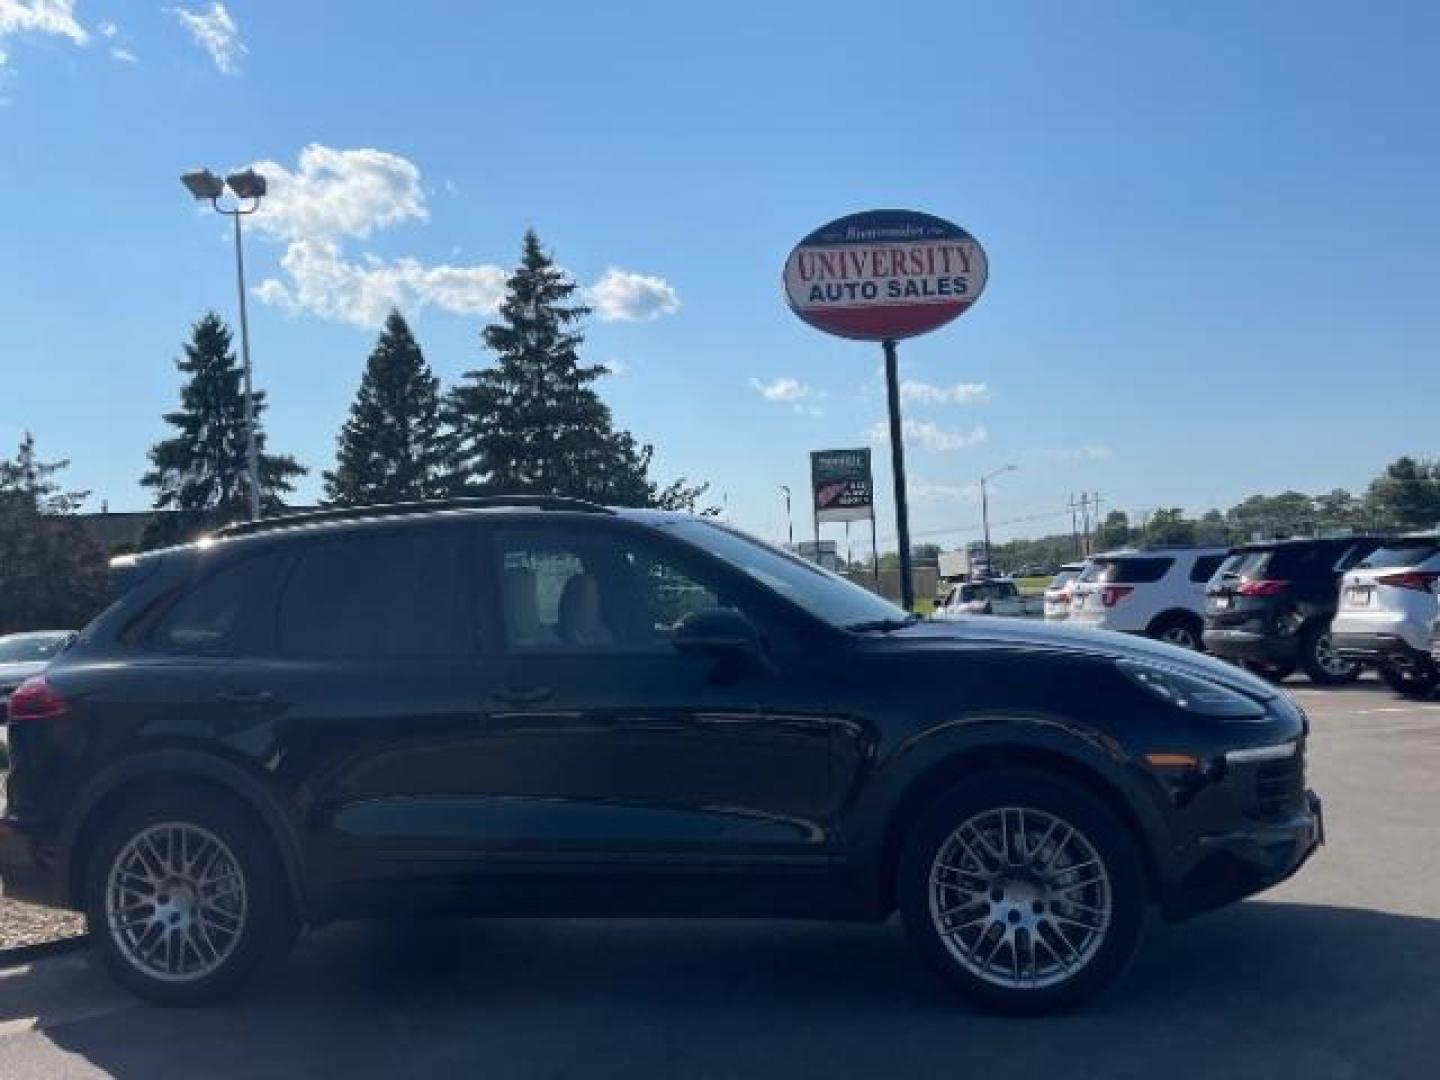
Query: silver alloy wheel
{"points": [[1179, 635], [1330, 661], [1020, 898], [175, 902]]}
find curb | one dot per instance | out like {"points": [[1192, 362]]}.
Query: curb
{"points": [[21, 955]]}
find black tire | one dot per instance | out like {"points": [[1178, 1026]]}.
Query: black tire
{"points": [[267, 928], [1417, 682], [1314, 646], [1179, 629], [1061, 799]]}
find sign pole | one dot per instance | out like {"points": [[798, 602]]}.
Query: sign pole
{"points": [[874, 551], [897, 461]]}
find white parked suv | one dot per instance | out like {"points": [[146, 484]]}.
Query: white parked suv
{"points": [[1058, 592], [1387, 613], [1158, 592]]}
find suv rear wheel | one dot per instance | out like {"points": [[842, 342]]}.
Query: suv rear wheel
{"points": [[186, 899], [1321, 662], [1023, 890], [1417, 681], [1177, 629]]}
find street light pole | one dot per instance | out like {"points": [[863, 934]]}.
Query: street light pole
{"points": [[248, 186], [789, 521], [252, 452], [985, 513]]}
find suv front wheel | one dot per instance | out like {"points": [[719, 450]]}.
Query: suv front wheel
{"points": [[1023, 890], [185, 898]]}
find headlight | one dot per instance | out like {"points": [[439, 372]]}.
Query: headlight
{"points": [[1191, 692]]}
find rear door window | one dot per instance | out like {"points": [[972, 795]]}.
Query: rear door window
{"points": [[386, 595], [1128, 570]]}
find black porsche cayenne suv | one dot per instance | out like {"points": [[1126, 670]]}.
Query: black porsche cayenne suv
{"points": [[543, 707]]}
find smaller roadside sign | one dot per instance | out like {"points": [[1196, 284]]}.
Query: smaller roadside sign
{"points": [[842, 485]]}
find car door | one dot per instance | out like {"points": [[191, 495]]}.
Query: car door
{"points": [[362, 698], [602, 740]]}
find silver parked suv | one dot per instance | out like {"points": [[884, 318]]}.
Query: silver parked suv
{"points": [[1387, 613]]}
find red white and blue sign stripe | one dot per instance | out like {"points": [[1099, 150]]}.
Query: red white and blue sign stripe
{"points": [[882, 275]]}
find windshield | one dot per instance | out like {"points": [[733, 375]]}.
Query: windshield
{"points": [[22, 648], [825, 595], [1063, 578]]}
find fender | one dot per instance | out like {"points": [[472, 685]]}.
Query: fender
{"points": [[179, 761], [874, 812]]}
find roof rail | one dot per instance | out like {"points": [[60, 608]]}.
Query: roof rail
{"points": [[402, 509]]}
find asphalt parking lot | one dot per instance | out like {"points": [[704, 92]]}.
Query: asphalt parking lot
{"points": [[1335, 974]]}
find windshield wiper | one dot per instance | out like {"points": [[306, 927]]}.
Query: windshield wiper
{"points": [[882, 626]]}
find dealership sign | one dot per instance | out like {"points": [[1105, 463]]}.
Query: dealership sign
{"points": [[842, 485], [883, 275]]}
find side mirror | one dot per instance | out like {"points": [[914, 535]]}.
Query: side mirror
{"points": [[716, 632]]}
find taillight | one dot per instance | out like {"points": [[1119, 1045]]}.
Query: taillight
{"points": [[1419, 580], [36, 699], [1111, 595], [1261, 588]]}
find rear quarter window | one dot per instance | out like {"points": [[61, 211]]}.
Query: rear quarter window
{"points": [[212, 614], [1136, 570], [1407, 553], [1205, 567]]}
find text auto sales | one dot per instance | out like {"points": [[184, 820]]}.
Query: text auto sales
{"points": [[938, 271]]}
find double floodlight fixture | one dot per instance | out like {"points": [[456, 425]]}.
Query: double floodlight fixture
{"points": [[205, 185]]}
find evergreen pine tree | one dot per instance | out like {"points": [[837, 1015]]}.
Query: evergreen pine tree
{"points": [[390, 449], [52, 575], [201, 470], [533, 423]]}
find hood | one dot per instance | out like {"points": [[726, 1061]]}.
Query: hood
{"points": [[13, 674], [1066, 637]]}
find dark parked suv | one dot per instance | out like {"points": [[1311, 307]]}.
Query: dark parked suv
{"points": [[542, 707], [1271, 606]]}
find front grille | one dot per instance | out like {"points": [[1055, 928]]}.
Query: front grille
{"points": [[1280, 786]]}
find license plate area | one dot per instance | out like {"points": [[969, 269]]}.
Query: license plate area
{"points": [[1358, 596]]}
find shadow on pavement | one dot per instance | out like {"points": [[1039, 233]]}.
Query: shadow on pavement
{"points": [[1261, 990]]}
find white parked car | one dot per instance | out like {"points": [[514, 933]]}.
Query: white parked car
{"points": [[1387, 614], [989, 596], [1158, 592], [1057, 593]]}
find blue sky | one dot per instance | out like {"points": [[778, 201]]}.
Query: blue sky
{"points": [[1211, 228]]}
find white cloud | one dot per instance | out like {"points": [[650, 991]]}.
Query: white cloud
{"points": [[782, 388], [624, 296], [214, 31], [361, 292], [931, 435], [108, 29], [125, 56], [926, 491], [54, 18], [912, 390], [336, 193]]}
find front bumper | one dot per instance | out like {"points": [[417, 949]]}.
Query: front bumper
{"points": [[1256, 647], [1232, 865]]}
